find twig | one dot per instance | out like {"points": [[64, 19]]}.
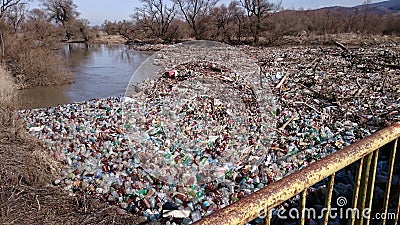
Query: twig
{"points": [[330, 99], [281, 82], [382, 114], [359, 92], [279, 131], [351, 97], [84, 203], [358, 83], [340, 45], [309, 106], [287, 123], [316, 63], [37, 200], [278, 149]]}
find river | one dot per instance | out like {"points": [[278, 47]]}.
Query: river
{"points": [[99, 71]]}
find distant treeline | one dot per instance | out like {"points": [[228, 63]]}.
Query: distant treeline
{"points": [[246, 21]]}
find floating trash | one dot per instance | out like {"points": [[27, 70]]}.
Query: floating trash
{"points": [[324, 102], [206, 112]]}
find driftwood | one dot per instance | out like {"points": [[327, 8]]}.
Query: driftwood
{"points": [[340, 45], [281, 82]]}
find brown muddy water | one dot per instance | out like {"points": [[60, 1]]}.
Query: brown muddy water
{"points": [[100, 71]]}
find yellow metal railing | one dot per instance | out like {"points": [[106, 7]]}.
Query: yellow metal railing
{"points": [[364, 151]]}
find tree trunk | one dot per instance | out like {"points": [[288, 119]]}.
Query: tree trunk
{"points": [[257, 31], [196, 32]]}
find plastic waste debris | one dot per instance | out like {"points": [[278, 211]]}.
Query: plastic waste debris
{"points": [[205, 112], [323, 103]]}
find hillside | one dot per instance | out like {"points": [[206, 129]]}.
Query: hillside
{"points": [[385, 7], [392, 6]]}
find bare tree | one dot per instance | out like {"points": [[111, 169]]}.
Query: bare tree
{"points": [[228, 22], [110, 27], [239, 19], [194, 11], [39, 28], [125, 28], [64, 12], [5, 5], [256, 10], [366, 13], [15, 15], [156, 16]]}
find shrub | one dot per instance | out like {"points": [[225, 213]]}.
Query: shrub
{"points": [[7, 88], [33, 64]]}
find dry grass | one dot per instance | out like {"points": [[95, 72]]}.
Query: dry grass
{"points": [[6, 87], [36, 65], [26, 172], [7, 93], [33, 62], [103, 38]]}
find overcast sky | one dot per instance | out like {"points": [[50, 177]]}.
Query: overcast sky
{"points": [[96, 11]]}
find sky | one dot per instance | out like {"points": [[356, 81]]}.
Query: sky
{"points": [[96, 11]]}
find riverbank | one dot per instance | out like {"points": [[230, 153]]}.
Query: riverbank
{"points": [[33, 63], [104, 38], [27, 169], [327, 98]]}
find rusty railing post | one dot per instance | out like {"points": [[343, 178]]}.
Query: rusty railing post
{"points": [[389, 182]]}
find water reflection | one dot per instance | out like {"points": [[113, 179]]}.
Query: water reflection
{"points": [[42, 97], [100, 71]]}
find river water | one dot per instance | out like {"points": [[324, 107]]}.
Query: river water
{"points": [[100, 71]]}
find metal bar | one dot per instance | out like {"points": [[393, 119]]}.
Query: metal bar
{"points": [[371, 182], [303, 206], [329, 198], [364, 187], [249, 207], [268, 216], [357, 188], [389, 182], [396, 221]]}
